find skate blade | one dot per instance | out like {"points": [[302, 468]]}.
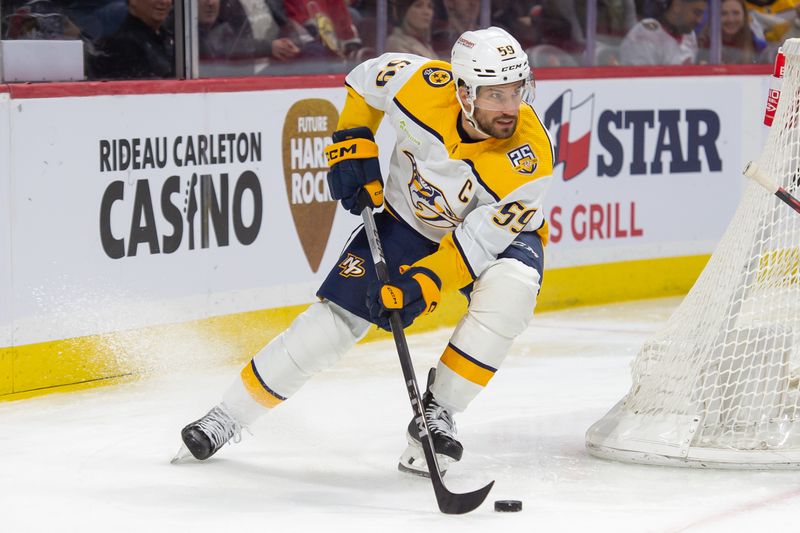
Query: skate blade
{"points": [[414, 472], [181, 456], [413, 461]]}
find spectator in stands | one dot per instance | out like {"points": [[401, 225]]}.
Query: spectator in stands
{"points": [[738, 40], [667, 40], [615, 18], [219, 38], [213, 33], [412, 31], [562, 24], [517, 18], [97, 18], [774, 17], [40, 20], [549, 56], [364, 13], [567, 10], [324, 28], [777, 22], [543, 29], [462, 15], [143, 47], [241, 32]]}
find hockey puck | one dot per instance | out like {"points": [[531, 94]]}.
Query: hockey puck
{"points": [[507, 506]]}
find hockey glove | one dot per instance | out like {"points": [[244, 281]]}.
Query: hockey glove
{"points": [[355, 174], [414, 293]]}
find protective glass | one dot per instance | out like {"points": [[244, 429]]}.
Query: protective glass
{"points": [[506, 97]]}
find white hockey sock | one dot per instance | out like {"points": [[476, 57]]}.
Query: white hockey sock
{"points": [[315, 340], [240, 404], [501, 306]]}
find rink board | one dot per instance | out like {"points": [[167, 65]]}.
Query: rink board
{"points": [[6, 315], [137, 232]]}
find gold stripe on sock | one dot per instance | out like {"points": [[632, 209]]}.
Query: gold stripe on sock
{"points": [[466, 367], [258, 389]]}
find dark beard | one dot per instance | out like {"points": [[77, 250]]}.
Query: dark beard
{"points": [[495, 130]]}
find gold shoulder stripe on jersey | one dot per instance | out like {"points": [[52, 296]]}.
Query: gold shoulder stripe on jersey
{"points": [[427, 104], [357, 112], [497, 171], [449, 263]]}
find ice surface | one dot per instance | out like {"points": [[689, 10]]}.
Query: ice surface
{"points": [[98, 460]]}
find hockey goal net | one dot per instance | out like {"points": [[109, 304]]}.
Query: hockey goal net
{"points": [[718, 386]]}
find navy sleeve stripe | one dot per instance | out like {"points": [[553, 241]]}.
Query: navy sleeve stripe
{"points": [[547, 134], [421, 124], [478, 177], [464, 257]]}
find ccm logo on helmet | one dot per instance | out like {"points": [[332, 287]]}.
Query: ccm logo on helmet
{"points": [[511, 67]]}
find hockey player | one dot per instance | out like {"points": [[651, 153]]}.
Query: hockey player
{"points": [[462, 210]]}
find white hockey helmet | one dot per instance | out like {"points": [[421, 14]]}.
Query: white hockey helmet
{"points": [[490, 57]]}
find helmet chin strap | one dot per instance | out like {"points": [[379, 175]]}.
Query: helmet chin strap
{"points": [[468, 114]]}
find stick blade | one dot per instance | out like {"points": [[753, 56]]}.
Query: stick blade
{"points": [[451, 503]]}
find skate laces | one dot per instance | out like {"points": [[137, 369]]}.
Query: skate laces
{"points": [[439, 420], [220, 427]]}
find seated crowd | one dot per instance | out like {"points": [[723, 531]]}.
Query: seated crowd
{"points": [[134, 39]]}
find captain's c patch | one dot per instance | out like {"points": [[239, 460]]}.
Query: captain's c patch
{"points": [[523, 159]]}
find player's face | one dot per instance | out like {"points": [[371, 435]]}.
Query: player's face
{"points": [[497, 108], [498, 124]]}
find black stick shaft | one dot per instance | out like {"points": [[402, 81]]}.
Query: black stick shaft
{"points": [[449, 503], [787, 198], [754, 172]]}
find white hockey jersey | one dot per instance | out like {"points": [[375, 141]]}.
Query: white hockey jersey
{"points": [[471, 197]]}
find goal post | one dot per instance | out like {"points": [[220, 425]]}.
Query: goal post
{"points": [[719, 384]]}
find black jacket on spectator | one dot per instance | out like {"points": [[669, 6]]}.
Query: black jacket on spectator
{"points": [[135, 51]]}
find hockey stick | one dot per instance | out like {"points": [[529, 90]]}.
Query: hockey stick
{"points": [[752, 171], [449, 502]]}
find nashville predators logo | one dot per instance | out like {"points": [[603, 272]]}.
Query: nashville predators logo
{"points": [[352, 267], [523, 159], [431, 205], [437, 77]]}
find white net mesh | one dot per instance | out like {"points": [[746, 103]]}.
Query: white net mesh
{"points": [[718, 385]]}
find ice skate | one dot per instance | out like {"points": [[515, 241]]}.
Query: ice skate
{"points": [[202, 438], [443, 436]]}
